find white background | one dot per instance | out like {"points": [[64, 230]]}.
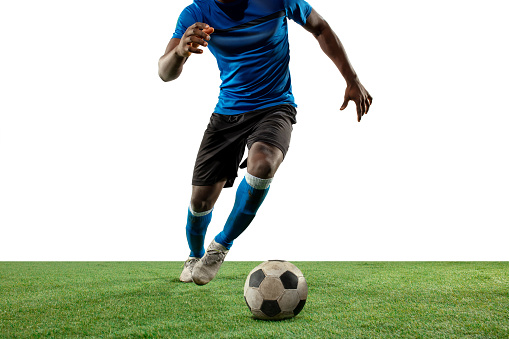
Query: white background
{"points": [[97, 153]]}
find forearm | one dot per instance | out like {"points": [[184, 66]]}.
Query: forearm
{"points": [[333, 48], [171, 65]]}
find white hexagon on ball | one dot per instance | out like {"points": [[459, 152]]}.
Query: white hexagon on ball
{"points": [[289, 300], [253, 298]]}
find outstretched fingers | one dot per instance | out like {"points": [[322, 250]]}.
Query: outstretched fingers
{"points": [[209, 30], [368, 102], [199, 33], [193, 49], [195, 41], [200, 26], [363, 102], [195, 36], [359, 111], [345, 103]]}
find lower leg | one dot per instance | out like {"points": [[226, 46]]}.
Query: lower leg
{"points": [[196, 228], [247, 202], [199, 216], [263, 162]]}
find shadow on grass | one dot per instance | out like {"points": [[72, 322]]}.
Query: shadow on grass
{"points": [[272, 320]]}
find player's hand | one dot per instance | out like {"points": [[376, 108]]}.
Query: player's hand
{"points": [[358, 94], [196, 35]]}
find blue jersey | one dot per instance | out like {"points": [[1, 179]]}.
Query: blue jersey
{"points": [[250, 44]]}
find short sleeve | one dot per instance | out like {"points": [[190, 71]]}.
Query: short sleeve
{"points": [[189, 16], [298, 10]]}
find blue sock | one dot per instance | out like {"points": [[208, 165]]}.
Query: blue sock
{"points": [[196, 228], [247, 201]]}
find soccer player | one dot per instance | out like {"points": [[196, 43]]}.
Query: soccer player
{"points": [[249, 39]]}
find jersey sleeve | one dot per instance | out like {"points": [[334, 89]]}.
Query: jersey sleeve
{"points": [[189, 16], [298, 10]]}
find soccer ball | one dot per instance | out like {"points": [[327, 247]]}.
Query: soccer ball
{"points": [[275, 289]]}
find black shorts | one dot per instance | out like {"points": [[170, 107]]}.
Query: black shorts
{"points": [[226, 137]]}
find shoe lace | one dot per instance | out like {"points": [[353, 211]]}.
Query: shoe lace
{"points": [[190, 261], [214, 256]]}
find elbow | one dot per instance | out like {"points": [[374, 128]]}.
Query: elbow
{"points": [[164, 74], [323, 27], [165, 78]]}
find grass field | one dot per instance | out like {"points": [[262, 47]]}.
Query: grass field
{"points": [[346, 299]]}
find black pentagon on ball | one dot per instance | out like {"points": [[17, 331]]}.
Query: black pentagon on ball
{"points": [[299, 307], [270, 308], [289, 280], [256, 278]]}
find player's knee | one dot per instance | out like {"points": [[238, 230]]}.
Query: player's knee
{"points": [[264, 160], [263, 168], [201, 205], [203, 198]]}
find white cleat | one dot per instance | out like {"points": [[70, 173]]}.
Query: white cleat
{"points": [[187, 272], [208, 266]]}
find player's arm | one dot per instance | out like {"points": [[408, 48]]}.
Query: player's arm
{"points": [[333, 48], [178, 50]]}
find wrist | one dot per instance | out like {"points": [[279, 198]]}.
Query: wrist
{"points": [[352, 80], [178, 53]]}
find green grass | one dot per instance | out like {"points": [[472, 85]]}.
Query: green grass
{"points": [[346, 299]]}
